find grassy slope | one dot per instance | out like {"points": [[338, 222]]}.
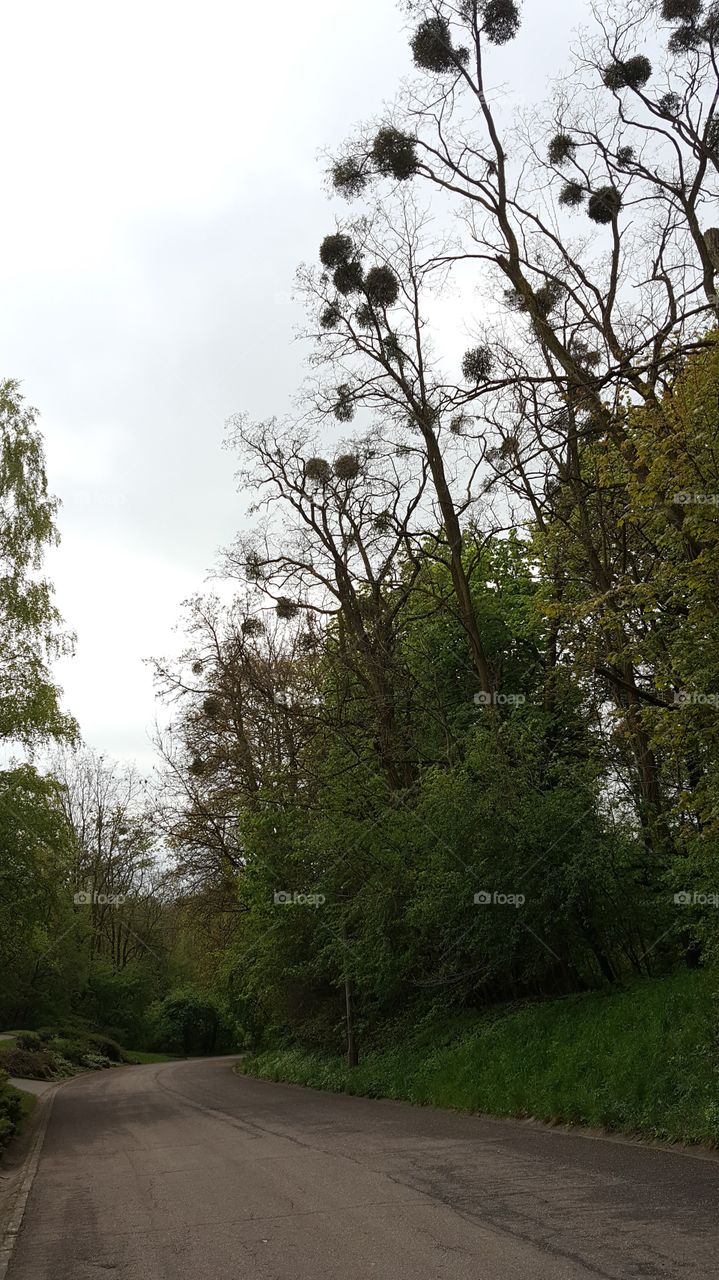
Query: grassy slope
{"points": [[642, 1060], [139, 1059]]}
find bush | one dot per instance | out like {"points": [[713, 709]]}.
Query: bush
{"points": [[29, 1040], [60, 1066], [106, 1046], [10, 1110], [642, 1060], [95, 1061], [26, 1065], [71, 1050]]}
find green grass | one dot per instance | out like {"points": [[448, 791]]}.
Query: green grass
{"points": [[642, 1060], [28, 1102], [139, 1059]]}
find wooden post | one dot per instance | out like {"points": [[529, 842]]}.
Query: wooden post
{"points": [[352, 1055]]}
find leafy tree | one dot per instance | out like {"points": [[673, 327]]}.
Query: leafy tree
{"points": [[30, 625]]}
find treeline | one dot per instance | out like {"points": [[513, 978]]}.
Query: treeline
{"points": [[95, 931], [92, 924], [455, 739]]}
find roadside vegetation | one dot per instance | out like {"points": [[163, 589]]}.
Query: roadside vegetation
{"points": [[450, 742], [643, 1060]]}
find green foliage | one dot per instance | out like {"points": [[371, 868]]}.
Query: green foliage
{"points": [[642, 1060], [381, 286], [10, 1110], [572, 194], [630, 74], [30, 635], [344, 404], [681, 10], [29, 1040], [348, 277], [25, 1065], [395, 154], [185, 1023], [336, 250], [318, 470], [561, 148], [500, 20], [432, 47], [346, 466], [604, 205], [349, 177], [477, 364], [37, 946]]}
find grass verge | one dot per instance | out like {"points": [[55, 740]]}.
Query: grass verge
{"points": [[139, 1059], [642, 1060]]}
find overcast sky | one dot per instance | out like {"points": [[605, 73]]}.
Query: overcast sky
{"points": [[162, 181]]}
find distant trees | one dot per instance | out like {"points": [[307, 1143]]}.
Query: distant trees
{"points": [[39, 953], [113, 839]]}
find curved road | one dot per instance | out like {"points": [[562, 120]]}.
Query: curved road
{"points": [[184, 1170]]}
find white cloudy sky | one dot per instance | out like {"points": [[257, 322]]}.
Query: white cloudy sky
{"points": [[161, 182]]}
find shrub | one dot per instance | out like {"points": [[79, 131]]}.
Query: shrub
{"points": [[29, 1040], [330, 317], [106, 1046], [684, 38], [72, 1050], [95, 1061], [10, 1110], [26, 1065], [286, 608], [60, 1066]]}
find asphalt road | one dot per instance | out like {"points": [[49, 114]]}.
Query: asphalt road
{"points": [[184, 1171]]}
